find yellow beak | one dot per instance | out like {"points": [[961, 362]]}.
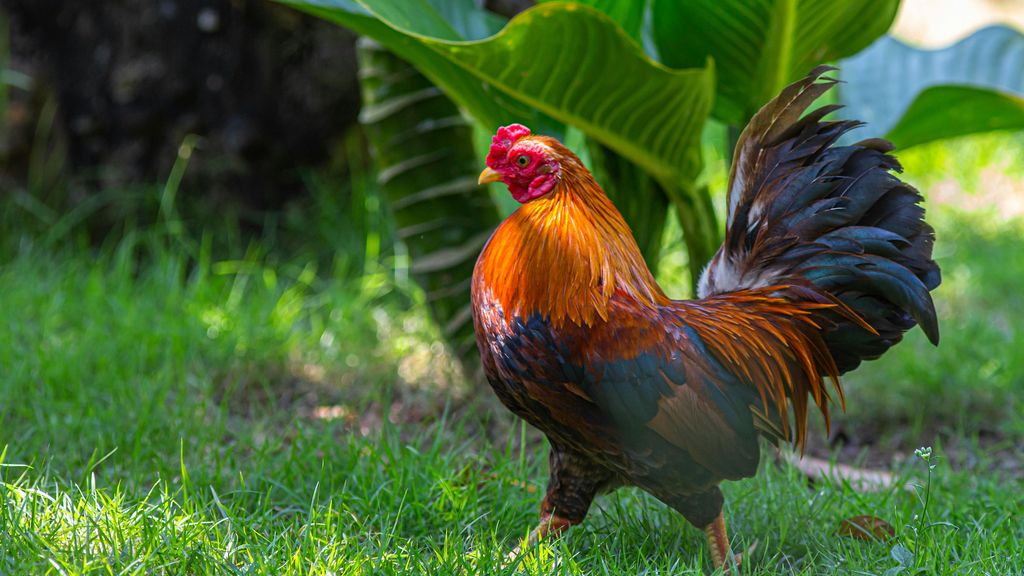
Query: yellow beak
{"points": [[488, 176]]}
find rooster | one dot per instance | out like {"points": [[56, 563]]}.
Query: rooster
{"points": [[826, 262]]}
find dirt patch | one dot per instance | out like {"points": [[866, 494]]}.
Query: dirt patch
{"points": [[891, 445]]}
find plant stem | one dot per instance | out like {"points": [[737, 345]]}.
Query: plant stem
{"points": [[696, 215], [786, 31]]}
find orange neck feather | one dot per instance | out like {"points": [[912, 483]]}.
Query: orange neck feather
{"points": [[565, 254]]}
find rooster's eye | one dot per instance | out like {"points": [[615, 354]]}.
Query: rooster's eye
{"points": [[523, 160]]}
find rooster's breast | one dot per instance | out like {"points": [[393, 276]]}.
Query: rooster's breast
{"points": [[532, 369]]}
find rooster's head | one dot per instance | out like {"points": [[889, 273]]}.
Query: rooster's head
{"points": [[530, 166]]}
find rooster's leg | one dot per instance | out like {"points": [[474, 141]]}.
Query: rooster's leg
{"points": [[551, 527], [573, 483], [718, 544], [705, 511]]}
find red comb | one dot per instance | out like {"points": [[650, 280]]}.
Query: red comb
{"points": [[503, 140]]}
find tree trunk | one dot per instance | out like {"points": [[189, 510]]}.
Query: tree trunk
{"points": [[267, 90]]}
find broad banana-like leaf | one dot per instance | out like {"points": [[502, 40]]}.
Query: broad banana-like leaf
{"points": [[629, 15], [760, 46], [469, 20], [920, 95], [427, 167], [950, 111], [605, 85]]}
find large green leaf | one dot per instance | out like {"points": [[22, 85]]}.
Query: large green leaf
{"points": [[760, 46], [469, 20], [882, 82], [646, 112], [423, 149], [605, 86], [629, 14], [949, 111]]}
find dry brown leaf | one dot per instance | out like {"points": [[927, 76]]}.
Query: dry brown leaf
{"points": [[866, 528]]}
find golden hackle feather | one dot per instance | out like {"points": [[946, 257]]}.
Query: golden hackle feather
{"points": [[565, 254]]}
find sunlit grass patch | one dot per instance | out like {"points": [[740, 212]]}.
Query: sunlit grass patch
{"points": [[417, 506]]}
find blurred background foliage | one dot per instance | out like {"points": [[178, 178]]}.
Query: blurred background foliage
{"points": [[310, 202]]}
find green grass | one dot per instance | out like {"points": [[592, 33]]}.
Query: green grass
{"points": [[166, 411], [427, 504]]}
